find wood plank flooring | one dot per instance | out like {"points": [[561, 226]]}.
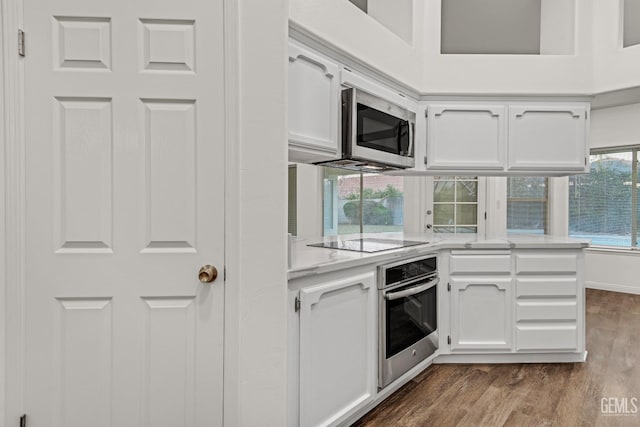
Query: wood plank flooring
{"points": [[564, 394]]}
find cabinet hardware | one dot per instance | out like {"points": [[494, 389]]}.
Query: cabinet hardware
{"points": [[425, 160], [485, 216], [449, 339], [297, 304], [449, 287], [20, 43], [23, 420]]}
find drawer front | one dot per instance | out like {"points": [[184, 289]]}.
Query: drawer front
{"points": [[546, 263], [547, 286], [552, 338], [480, 264], [558, 310]]}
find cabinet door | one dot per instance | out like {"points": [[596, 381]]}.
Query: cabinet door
{"points": [[314, 103], [337, 349], [481, 313], [552, 138], [465, 137]]}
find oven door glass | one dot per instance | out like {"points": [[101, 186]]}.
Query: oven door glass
{"points": [[409, 318], [381, 131]]}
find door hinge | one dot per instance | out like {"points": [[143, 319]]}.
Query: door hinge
{"points": [[425, 160], [297, 304], [23, 420], [485, 216], [20, 42], [449, 339], [449, 287], [586, 160]]}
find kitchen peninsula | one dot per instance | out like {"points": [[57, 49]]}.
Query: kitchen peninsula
{"points": [[513, 299]]}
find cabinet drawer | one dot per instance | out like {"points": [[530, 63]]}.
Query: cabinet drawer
{"points": [[546, 263], [537, 310], [546, 337], [480, 264], [547, 286]]}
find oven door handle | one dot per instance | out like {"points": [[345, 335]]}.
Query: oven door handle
{"points": [[411, 291]]}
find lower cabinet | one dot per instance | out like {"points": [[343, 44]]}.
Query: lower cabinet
{"points": [[526, 301], [481, 313], [338, 354]]}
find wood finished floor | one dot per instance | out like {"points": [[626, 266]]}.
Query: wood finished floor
{"points": [[531, 394]]}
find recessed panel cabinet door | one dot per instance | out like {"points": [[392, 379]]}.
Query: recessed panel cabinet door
{"points": [[124, 175], [314, 106], [337, 349], [465, 137], [552, 138], [481, 310]]}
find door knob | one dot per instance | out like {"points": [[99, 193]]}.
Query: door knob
{"points": [[207, 274]]}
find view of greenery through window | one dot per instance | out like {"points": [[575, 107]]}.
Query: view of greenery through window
{"points": [[603, 205], [527, 210], [354, 202]]}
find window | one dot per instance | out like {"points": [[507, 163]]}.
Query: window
{"points": [[455, 204], [631, 23], [527, 204], [603, 205], [361, 203]]}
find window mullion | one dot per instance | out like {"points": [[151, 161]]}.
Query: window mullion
{"points": [[634, 198]]}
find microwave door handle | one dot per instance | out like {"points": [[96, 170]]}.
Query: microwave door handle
{"points": [[411, 136], [411, 291]]}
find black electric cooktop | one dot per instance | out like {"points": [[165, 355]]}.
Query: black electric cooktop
{"points": [[367, 244]]}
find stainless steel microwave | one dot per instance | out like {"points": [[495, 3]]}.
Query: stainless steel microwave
{"points": [[377, 135]]}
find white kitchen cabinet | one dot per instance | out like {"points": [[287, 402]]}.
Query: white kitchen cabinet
{"points": [[481, 310], [466, 136], [314, 106], [338, 355], [505, 137], [548, 138]]}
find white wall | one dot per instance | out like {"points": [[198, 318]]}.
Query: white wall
{"points": [[613, 67], [507, 74], [342, 24], [256, 229], [396, 15]]}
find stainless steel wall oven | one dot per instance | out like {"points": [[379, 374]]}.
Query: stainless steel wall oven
{"points": [[408, 301]]}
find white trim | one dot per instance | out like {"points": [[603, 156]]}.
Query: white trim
{"points": [[512, 358], [13, 137], [3, 138], [609, 250], [231, 214], [613, 287]]}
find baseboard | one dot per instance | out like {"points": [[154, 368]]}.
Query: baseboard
{"points": [[512, 358], [613, 287]]}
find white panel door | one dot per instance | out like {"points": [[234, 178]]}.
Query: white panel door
{"points": [[337, 349], [124, 186], [552, 138], [466, 137]]}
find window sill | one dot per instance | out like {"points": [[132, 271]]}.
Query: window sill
{"points": [[614, 251]]}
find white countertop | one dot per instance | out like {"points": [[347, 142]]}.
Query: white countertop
{"points": [[307, 260]]}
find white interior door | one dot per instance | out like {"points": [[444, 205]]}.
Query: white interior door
{"points": [[124, 203]]}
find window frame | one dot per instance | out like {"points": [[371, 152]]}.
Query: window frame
{"points": [[634, 248]]}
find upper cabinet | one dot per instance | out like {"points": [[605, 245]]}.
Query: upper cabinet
{"points": [[548, 138], [507, 138], [465, 136], [314, 106]]}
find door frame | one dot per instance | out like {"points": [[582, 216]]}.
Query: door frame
{"points": [[240, 22]]}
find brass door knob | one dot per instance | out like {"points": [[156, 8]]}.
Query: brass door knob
{"points": [[207, 274]]}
